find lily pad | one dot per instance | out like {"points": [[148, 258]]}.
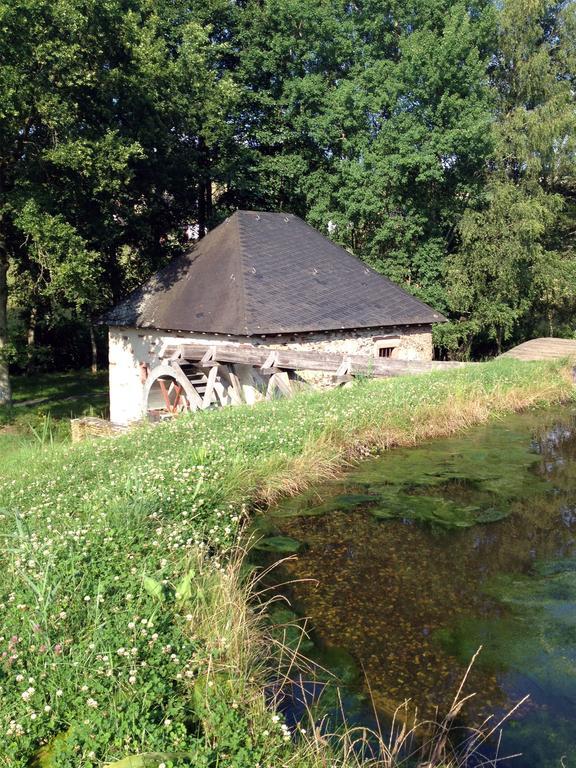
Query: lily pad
{"points": [[281, 544], [430, 509]]}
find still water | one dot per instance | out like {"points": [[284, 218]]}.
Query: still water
{"points": [[414, 559]]}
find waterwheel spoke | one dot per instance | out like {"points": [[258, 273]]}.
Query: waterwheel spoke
{"points": [[178, 393], [165, 394]]}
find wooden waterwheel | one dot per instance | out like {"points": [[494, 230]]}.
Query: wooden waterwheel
{"points": [[173, 388]]}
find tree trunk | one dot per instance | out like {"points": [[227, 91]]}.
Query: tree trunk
{"points": [[5, 388], [94, 350], [208, 192], [204, 189], [499, 335], [31, 335], [201, 210]]}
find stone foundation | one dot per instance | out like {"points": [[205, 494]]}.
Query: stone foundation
{"points": [[133, 351]]}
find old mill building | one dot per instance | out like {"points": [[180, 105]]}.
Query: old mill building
{"points": [[260, 279]]}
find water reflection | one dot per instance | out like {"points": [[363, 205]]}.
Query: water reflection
{"points": [[420, 556]]}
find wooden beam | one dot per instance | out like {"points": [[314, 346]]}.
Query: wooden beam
{"points": [[232, 381], [272, 386], [194, 399], [208, 394], [270, 361], [283, 383], [295, 360], [209, 357], [236, 385]]}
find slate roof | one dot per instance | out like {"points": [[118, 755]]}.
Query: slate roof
{"points": [[268, 273]]}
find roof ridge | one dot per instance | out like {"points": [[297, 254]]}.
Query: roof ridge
{"points": [[237, 215]]}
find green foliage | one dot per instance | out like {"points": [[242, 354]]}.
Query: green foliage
{"points": [[54, 398], [103, 109], [280, 544], [152, 760], [446, 484], [515, 273], [434, 140]]}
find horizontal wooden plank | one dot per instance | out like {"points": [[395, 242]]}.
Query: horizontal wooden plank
{"points": [[298, 360]]}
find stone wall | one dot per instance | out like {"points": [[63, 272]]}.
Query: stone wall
{"points": [[132, 350], [411, 342]]}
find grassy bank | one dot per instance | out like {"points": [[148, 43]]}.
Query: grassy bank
{"points": [[120, 635], [43, 405]]}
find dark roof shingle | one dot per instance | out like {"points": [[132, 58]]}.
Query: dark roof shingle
{"points": [[268, 273]]}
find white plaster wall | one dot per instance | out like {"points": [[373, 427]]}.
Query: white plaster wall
{"points": [[129, 347]]}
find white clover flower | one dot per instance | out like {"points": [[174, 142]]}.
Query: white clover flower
{"points": [[91, 703]]}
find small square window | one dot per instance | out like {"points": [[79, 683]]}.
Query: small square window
{"points": [[385, 351]]}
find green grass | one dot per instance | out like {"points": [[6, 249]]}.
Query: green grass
{"points": [[62, 395], [100, 645], [59, 386]]}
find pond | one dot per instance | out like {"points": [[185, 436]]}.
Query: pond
{"points": [[414, 559]]}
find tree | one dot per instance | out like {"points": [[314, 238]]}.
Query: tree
{"points": [[374, 117], [513, 273], [107, 112], [398, 185]]}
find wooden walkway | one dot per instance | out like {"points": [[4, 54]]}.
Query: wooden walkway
{"points": [[543, 349]]}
